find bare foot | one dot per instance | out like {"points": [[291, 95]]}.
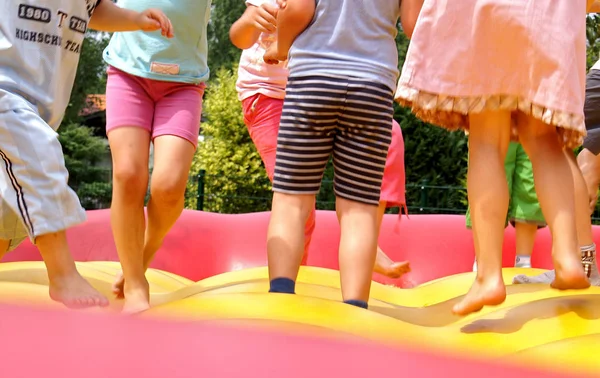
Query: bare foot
{"points": [[484, 292], [74, 291], [569, 274], [273, 55], [117, 287], [396, 269], [137, 297]]}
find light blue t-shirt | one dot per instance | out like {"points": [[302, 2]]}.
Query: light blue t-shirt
{"points": [[182, 58], [350, 38]]}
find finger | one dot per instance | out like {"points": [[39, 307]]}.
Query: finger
{"points": [[162, 19], [153, 24], [167, 27], [171, 31], [271, 9], [265, 26], [267, 20], [152, 21], [271, 19]]}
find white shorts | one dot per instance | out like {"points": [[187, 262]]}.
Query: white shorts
{"points": [[35, 196]]}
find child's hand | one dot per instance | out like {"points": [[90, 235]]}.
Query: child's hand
{"points": [[272, 55], [264, 18], [281, 3], [154, 19]]}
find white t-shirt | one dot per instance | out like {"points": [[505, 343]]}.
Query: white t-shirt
{"points": [[254, 75], [40, 43], [596, 66]]}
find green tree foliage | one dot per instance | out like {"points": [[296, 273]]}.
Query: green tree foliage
{"points": [[593, 37], [221, 52], [91, 74], [433, 158], [236, 180], [83, 151]]}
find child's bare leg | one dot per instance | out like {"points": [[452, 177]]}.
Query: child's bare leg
{"points": [[525, 239], [584, 230], [291, 22], [172, 161], [383, 264], [359, 225], [130, 152], [589, 164], [488, 198], [285, 239], [554, 182], [66, 284]]}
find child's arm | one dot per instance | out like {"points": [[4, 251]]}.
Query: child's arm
{"points": [[256, 19], [110, 17], [293, 18], [409, 12]]}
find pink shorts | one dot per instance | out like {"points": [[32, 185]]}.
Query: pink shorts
{"points": [[161, 107], [261, 116]]}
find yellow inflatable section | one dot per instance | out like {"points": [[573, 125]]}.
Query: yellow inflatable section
{"points": [[536, 324]]}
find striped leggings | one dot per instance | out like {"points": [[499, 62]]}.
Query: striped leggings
{"points": [[346, 116]]}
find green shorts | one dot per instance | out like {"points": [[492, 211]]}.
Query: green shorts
{"points": [[523, 203]]}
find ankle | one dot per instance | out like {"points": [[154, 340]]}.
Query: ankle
{"points": [[357, 303], [61, 272], [136, 283], [523, 261], [282, 285]]}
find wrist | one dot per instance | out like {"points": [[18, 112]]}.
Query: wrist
{"points": [[133, 18]]}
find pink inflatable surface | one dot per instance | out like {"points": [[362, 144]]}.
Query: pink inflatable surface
{"points": [[205, 244]]}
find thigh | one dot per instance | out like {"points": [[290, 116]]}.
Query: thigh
{"points": [[127, 101], [393, 190], [363, 137], [179, 111], [172, 161], [33, 164], [261, 116], [306, 134], [130, 153]]}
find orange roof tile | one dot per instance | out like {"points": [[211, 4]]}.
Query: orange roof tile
{"points": [[94, 103]]}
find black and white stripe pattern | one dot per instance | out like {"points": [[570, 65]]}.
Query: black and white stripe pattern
{"points": [[19, 192], [349, 117]]}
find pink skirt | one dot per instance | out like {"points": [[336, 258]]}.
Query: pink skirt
{"points": [[469, 56]]}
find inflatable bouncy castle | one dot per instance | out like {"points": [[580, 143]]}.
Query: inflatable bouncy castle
{"points": [[212, 316]]}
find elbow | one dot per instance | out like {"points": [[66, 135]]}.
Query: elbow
{"points": [[238, 40]]}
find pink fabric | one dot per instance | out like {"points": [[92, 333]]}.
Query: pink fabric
{"points": [[261, 116], [393, 186], [535, 50], [161, 107], [254, 75]]}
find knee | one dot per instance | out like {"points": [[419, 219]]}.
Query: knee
{"points": [[541, 140], [131, 178], [167, 191]]}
